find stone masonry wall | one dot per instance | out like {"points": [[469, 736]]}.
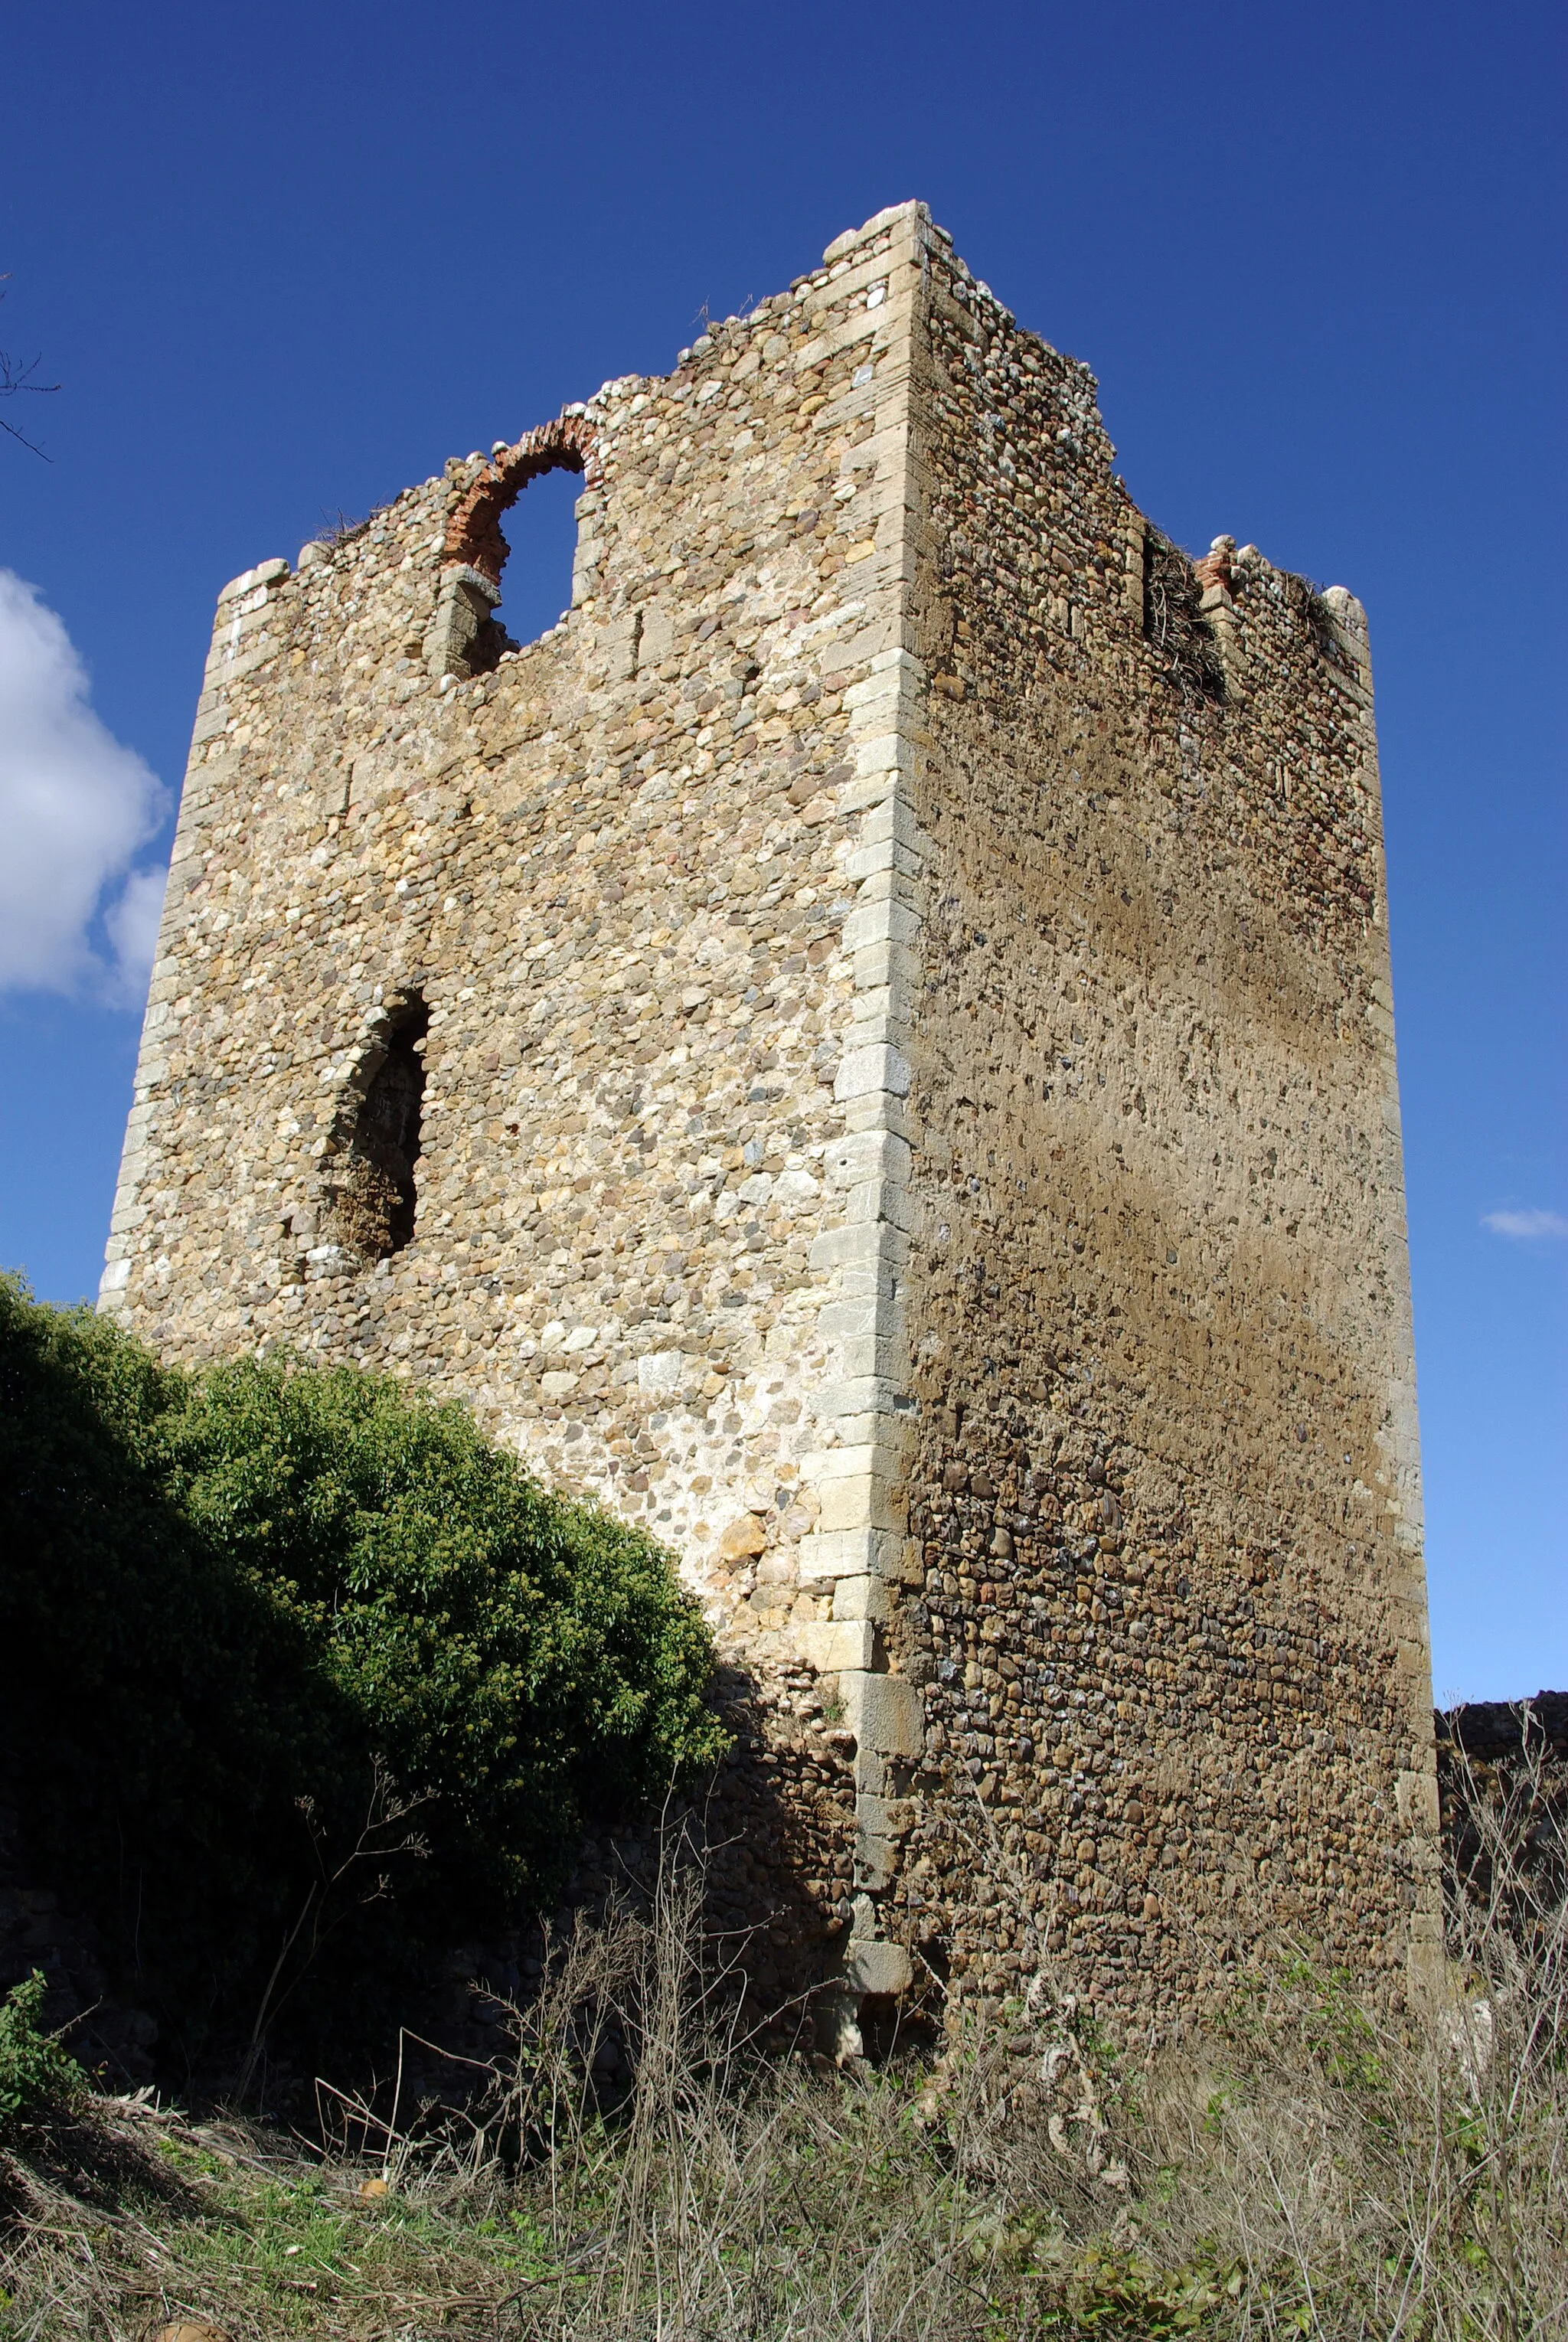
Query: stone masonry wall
{"points": [[617, 874], [889, 1003], [1169, 1615]]}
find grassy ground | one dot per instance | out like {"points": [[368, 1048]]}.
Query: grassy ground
{"points": [[134, 2217], [1312, 2166]]}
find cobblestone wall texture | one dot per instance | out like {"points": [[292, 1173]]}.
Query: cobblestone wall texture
{"points": [[881, 1020]]}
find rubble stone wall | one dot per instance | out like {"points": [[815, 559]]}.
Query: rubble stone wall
{"points": [[1169, 1619], [904, 1108]]}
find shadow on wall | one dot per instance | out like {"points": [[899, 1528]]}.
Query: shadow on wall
{"points": [[773, 1832]]}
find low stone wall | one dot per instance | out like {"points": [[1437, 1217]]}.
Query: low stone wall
{"points": [[1502, 1775]]}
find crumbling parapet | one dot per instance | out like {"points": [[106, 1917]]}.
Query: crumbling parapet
{"points": [[466, 600]]}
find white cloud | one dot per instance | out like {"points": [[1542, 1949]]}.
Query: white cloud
{"points": [[133, 924], [1525, 1224], [74, 807]]}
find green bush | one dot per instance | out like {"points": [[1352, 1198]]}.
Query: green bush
{"points": [[35, 2073], [264, 1624]]}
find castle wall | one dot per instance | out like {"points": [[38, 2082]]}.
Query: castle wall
{"points": [[619, 871], [907, 1113], [1171, 1628]]}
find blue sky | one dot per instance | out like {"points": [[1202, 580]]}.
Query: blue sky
{"points": [[285, 259]]}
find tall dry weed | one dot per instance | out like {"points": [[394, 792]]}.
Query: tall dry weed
{"points": [[637, 2170], [1352, 2171]]}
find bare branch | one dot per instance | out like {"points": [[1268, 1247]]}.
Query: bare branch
{"points": [[15, 377]]}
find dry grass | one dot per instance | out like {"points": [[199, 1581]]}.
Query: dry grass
{"points": [[1314, 2166]]}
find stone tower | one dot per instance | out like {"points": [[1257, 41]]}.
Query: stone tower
{"points": [[868, 1048]]}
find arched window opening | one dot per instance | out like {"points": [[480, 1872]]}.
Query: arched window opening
{"points": [[468, 638], [538, 577], [374, 1198]]}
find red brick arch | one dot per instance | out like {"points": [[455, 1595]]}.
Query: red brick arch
{"points": [[474, 538]]}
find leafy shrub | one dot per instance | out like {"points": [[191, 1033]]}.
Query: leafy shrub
{"points": [[35, 2072], [279, 1640]]}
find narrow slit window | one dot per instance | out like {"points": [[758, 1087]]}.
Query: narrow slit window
{"points": [[376, 1194]]}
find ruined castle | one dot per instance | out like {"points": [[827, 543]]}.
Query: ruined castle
{"points": [[868, 1048]]}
